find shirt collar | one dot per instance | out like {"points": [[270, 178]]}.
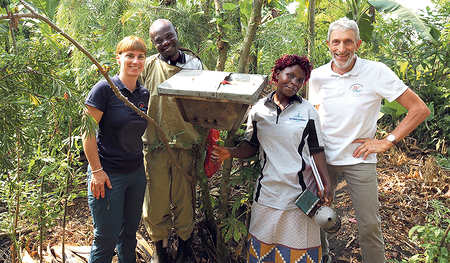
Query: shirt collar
{"points": [[181, 59], [120, 85], [294, 98]]}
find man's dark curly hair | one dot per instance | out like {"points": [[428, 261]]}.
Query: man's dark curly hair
{"points": [[291, 60]]}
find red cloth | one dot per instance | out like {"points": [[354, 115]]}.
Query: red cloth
{"points": [[210, 167]]}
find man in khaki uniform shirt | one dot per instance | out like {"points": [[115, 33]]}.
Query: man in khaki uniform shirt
{"points": [[166, 184]]}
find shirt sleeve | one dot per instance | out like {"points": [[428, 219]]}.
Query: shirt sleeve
{"points": [[389, 86], [98, 96], [251, 134], [315, 139]]}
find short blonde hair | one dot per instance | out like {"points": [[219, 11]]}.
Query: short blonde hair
{"points": [[131, 43]]}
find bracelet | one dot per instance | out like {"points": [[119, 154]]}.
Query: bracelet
{"points": [[97, 170]]}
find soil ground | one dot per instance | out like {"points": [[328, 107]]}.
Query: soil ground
{"points": [[406, 182]]}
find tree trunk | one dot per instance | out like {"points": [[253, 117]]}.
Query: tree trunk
{"points": [[227, 165], [254, 62], [253, 23], [222, 46], [312, 15], [224, 196]]}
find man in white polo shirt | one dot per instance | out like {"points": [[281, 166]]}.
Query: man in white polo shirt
{"points": [[348, 93]]}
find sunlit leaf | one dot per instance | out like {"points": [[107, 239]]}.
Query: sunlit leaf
{"points": [[34, 100], [426, 31], [229, 6]]}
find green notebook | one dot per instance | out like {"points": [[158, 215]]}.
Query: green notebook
{"points": [[307, 201]]}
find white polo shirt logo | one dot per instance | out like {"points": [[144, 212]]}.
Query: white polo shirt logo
{"points": [[356, 90]]}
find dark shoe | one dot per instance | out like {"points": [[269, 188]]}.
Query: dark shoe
{"points": [[183, 251], [326, 259], [160, 253]]}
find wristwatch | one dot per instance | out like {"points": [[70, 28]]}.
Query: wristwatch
{"points": [[391, 138]]}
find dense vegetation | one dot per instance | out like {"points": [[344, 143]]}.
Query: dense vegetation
{"points": [[44, 78]]}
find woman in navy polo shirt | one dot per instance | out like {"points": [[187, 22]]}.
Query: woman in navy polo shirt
{"points": [[116, 176], [285, 129]]}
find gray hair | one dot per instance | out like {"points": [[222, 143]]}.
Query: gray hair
{"points": [[344, 24]]}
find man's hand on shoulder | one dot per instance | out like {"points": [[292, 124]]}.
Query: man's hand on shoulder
{"points": [[369, 146]]}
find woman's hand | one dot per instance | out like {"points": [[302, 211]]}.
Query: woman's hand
{"points": [[219, 154], [244, 150], [327, 199], [320, 161], [98, 184]]}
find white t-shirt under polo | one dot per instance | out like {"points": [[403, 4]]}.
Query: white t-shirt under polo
{"points": [[350, 106]]}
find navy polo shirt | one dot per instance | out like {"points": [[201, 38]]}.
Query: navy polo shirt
{"points": [[119, 139]]}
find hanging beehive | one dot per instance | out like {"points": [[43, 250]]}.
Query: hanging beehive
{"points": [[214, 99]]}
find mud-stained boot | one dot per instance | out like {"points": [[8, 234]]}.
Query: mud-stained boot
{"points": [[160, 253], [183, 251]]}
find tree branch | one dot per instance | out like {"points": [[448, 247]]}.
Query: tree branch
{"points": [[445, 235]]}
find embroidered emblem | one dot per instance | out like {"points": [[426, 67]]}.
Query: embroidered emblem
{"points": [[142, 106]]}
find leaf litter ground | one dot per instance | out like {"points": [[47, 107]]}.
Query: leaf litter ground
{"points": [[406, 183]]}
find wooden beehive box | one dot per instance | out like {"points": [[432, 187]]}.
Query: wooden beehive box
{"points": [[214, 99]]}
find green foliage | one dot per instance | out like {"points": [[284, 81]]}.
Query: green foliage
{"points": [[38, 103], [246, 173], [39, 108], [276, 37], [232, 227], [47, 7], [427, 32], [394, 109], [245, 9], [97, 27], [242, 178], [443, 161], [431, 234], [423, 66], [39, 207]]}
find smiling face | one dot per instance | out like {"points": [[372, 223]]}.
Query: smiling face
{"points": [[131, 63], [290, 81], [165, 38], [343, 45]]}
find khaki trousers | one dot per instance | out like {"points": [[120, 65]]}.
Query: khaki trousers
{"points": [[167, 186], [363, 188]]}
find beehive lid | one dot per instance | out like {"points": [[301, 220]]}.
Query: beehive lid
{"points": [[214, 85]]}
